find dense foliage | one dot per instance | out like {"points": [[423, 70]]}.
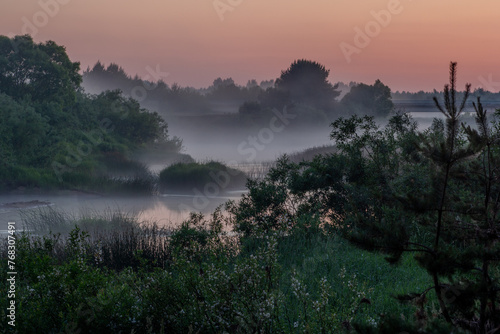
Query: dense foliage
{"points": [[369, 99], [42, 71], [52, 135], [307, 83]]}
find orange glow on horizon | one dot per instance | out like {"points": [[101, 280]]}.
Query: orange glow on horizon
{"points": [[258, 39]]}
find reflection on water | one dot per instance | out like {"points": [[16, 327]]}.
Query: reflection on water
{"points": [[166, 210]]}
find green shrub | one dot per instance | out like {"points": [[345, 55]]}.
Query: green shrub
{"points": [[29, 177], [214, 175]]}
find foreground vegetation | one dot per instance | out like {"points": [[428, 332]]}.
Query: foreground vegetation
{"points": [[111, 274]]}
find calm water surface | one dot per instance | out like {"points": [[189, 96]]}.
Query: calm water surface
{"points": [[166, 210]]}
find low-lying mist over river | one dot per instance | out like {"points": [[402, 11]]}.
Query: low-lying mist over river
{"points": [[262, 144], [245, 150]]}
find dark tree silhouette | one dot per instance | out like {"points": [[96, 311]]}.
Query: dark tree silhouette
{"points": [[369, 99], [307, 83]]}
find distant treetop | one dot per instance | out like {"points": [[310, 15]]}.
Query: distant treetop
{"points": [[307, 83]]}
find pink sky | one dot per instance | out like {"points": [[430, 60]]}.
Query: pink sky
{"points": [[256, 39]]}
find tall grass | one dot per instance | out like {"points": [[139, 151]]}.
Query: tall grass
{"points": [[118, 174], [255, 171], [19, 176], [118, 238]]}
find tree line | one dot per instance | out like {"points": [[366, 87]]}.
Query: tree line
{"points": [[304, 85]]}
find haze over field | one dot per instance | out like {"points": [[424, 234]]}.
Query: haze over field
{"points": [[198, 41]]}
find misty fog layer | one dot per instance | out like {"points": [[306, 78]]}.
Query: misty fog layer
{"points": [[248, 145], [232, 123], [123, 142]]}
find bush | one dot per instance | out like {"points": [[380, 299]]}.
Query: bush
{"points": [[186, 176]]}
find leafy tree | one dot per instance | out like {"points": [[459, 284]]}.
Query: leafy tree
{"points": [[219, 82], [225, 90], [265, 84], [307, 83], [369, 99], [160, 97], [41, 71], [23, 133], [50, 127], [129, 120], [112, 77], [274, 98], [252, 83]]}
